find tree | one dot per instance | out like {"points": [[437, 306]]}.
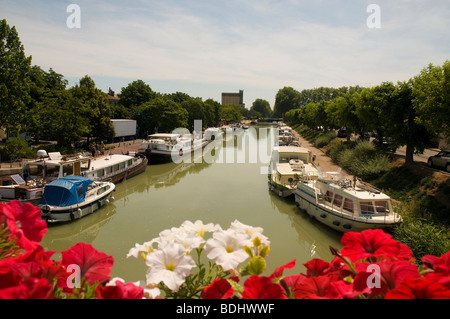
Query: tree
{"points": [[431, 98], [92, 104], [341, 112], [261, 108], [14, 82], [285, 100], [403, 127], [135, 94], [231, 113]]}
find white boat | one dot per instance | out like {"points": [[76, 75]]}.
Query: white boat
{"points": [[73, 197], [213, 133], [111, 167], [345, 205], [166, 147], [14, 187], [289, 165]]}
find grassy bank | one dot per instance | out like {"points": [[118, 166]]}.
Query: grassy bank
{"points": [[422, 194]]}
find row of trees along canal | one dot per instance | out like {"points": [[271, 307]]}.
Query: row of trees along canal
{"points": [[412, 113], [39, 102]]}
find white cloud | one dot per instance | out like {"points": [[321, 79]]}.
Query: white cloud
{"points": [[214, 46]]}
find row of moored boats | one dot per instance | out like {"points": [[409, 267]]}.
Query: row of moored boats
{"points": [[68, 187], [340, 202]]}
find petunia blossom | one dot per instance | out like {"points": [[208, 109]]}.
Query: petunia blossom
{"points": [[253, 232], [257, 287], [140, 249], [219, 289], [225, 248], [199, 227], [170, 266], [419, 288], [25, 223], [373, 243], [441, 268]]}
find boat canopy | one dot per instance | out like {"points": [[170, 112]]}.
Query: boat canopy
{"points": [[66, 191]]}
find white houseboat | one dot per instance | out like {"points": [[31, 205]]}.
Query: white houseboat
{"points": [[72, 197], [346, 205], [166, 147], [289, 165]]}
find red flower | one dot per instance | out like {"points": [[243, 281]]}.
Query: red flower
{"points": [[279, 271], [388, 277], [219, 289], [373, 243], [94, 266], [24, 222], [322, 287], [121, 290], [419, 288], [32, 288], [257, 287], [316, 267], [441, 267]]}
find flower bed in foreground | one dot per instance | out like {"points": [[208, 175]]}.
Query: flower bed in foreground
{"points": [[199, 260]]}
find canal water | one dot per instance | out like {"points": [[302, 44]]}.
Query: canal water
{"points": [[227, 182]]}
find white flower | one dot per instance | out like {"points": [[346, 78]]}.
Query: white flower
{"points": [[225, 248], [251, 231], [199, 227], [171, 266], [187, 238], [146, 248]]}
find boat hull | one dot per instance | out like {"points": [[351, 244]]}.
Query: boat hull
{"points": [[132, 171], [53, 214], [155, 156], [307, 203]]}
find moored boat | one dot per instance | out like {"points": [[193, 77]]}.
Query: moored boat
{"points": [[73, 197], [166, 147], [346, 205], [289, 165]]}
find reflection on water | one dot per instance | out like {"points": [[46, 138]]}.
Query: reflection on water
{"points": [[217, 189]]}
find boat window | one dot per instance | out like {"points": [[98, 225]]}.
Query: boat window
{"points": [[85, 165], [367, 208], [100, 173], [67, 169], [382, 207], [348, 205], [52, 171], [337, 200], [108, 169], [122, 165], [329, 196], [102, 190], [129, 162]]}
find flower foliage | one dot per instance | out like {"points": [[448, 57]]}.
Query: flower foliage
{"points": [[199, 260]]}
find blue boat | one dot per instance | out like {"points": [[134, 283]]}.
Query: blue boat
{"points": [[72, 197]]}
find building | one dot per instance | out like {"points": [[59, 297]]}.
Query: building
{"points": [[233, 98], [113, 98]]}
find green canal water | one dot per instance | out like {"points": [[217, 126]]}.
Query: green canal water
{"points": [[227, 183]]}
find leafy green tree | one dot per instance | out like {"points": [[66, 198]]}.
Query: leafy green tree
{"points": [[14, 82], [341, 112], [216, 109], [431, 98], [231, 113], [135, 94], [93, 105], [196, 111], [285, 100], [261, 108], [403, 127]]}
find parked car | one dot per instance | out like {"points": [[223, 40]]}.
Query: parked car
{"points": [[440, 160], [342, 132]]}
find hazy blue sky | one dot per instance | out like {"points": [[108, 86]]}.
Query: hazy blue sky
{"points": [[206, 47]]}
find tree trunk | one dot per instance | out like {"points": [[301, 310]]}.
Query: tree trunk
{"points": [[409, 157]]}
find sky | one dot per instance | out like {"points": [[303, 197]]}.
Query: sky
{"points": [[206, 47]]}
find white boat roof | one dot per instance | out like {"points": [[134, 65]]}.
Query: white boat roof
{"points": [[109, 160], [357, 192], [291, 149], [286, 169], [164, 135]]}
